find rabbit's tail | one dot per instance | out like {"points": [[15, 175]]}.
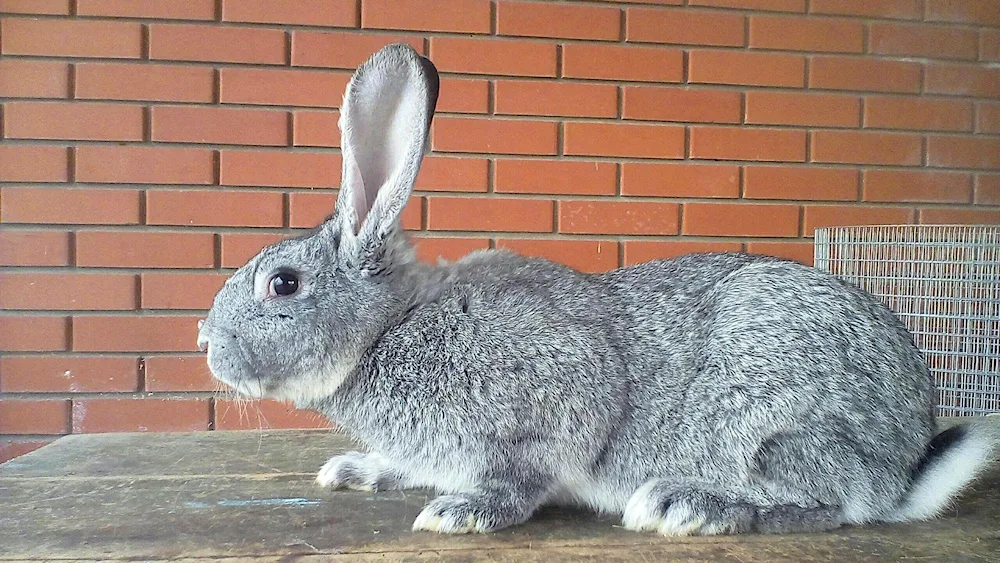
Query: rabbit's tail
{"points": [[954, 458]]}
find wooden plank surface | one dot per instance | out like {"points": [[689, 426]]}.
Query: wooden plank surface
{"points": [[251, 495]]}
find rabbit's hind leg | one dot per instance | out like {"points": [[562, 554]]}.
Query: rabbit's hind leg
{"points": [[682, 508]]}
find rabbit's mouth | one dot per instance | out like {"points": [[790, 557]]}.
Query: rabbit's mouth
{"points": [[227, 367]]}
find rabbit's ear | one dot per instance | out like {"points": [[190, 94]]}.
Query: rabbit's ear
{"points": [[384, 124]]}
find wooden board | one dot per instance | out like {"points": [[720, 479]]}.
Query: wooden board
{"points": [[251, 495]]}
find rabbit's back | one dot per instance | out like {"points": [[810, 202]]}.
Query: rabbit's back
{"points": [[751, 361]]}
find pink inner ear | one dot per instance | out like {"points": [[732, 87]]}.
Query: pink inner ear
{"points": [[359, 196]]}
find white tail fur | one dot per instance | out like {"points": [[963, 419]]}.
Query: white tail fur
{"points": [[944, 476]]}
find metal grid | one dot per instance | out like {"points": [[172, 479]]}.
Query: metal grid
{"points": [[944, 283]]}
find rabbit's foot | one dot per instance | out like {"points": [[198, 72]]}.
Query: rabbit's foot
{"points": [[683, 509], [453, 514], [663, 507], [357, 471]]}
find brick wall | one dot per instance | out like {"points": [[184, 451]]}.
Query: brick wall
{"points": [[150, 147]]}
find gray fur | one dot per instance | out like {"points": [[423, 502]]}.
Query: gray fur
{"points": [[721, 393]]}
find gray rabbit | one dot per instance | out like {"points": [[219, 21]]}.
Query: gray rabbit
{"points": [[708, 394]]}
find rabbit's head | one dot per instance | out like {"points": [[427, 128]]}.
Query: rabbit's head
{"points": [[294, 320]]}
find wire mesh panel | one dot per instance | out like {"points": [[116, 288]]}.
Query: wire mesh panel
{"points": [[944, 283]]}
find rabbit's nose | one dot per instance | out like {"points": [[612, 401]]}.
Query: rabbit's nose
{"points": [[202, 339]]}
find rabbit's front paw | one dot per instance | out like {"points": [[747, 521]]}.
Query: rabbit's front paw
{"points": [[457, 514], [355, 470]]}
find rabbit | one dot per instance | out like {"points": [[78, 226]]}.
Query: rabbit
{"points": [[715, 393]]}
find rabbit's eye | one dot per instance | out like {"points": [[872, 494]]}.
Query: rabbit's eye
{"points": [[284, 284]]}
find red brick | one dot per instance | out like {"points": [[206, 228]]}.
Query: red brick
{"points": [[493, 56], [589, 256], [641, 251], [462, 95], [898, 9], [917, 40], [489, 214], [840, 73], [127, 334], [963, 80], [657, 2], [144, 82], [34, 248], [10, 449], [215, 208], [453, 174], [279, 169], [605, 217], [751, 69], [680, 180], [740, 143], [917, 113], [47, 416], [800, 183], [114, 249], [793, 108], [342, 49], [559, 21], [48, 164], [233, 126], [988, 118], [52, 291], [265, 414], [308, 209], [337, 13], [500, 136], [953, 216], [545, 97], [987, 189], [460, 16], [144, 165], [261, 86], [139, 415], [975, 12], [315, 128], [769, 5], [69, 374], [76, 120], [179, 373], [740, 219], [818, 216], [153, 9], [71, 38], [853, 147], [989, 45], [555, 177], [624, 139], [47, 7], [800, 33], [216, 44], [963, 152], [33, 79], [919, 186], [797, 251], [676, 104], [616, 62], [180, 291], [70, 206], [684, 27], [433, 249], [33, 334], [238, 248]]}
